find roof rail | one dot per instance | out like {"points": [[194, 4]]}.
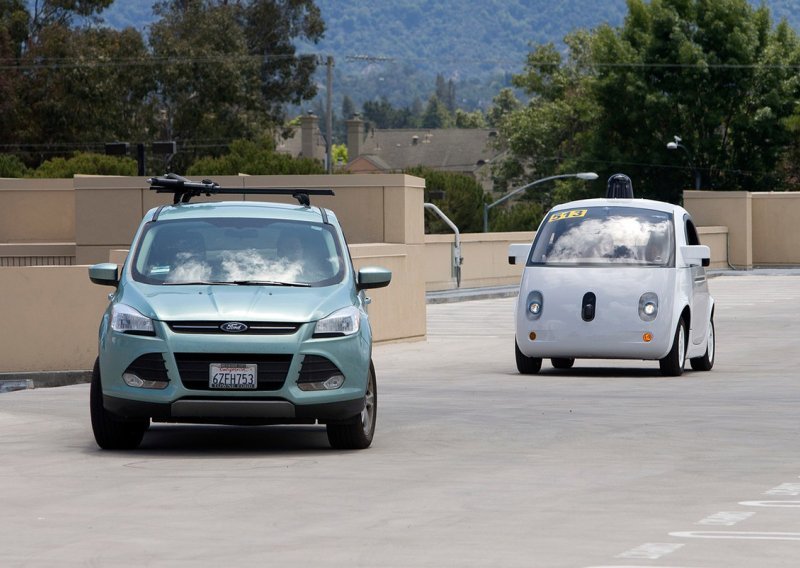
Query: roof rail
{"points": [[184, 189]]}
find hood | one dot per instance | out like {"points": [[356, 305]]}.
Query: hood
{"points": [[617, 290], [229, 303]]}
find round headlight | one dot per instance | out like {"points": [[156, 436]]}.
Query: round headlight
{"points": [[535, 307]]}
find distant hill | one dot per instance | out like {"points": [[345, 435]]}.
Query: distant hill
{"points": [[395, 49]]}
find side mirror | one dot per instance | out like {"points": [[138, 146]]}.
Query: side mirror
{"points": [[696, 255], [373, 277], [105, 274], [518, 253]]}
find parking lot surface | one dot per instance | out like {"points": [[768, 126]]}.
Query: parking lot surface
{"points": [[607, 464]]}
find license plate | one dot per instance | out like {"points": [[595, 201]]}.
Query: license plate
{"points": [[232, 376]]}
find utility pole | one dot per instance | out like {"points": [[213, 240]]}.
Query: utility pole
{"points": [[329, 118]]}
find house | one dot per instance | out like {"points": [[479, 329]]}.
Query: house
{"points": [[370, 150], [464, 150]]}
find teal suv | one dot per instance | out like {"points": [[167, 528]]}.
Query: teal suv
{"points": [[235, 312]]}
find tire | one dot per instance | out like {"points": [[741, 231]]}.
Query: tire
{"points": [[706, 362], [563, 362], [357, 433], [672, 365], [112, 432], [526, 365]]}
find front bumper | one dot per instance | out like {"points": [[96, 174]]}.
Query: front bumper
{"points": [[281, 401], [227, 411]]}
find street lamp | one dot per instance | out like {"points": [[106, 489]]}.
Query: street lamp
{"points": [[674, 145], [580, 175]]}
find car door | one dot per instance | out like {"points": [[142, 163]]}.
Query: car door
{"points": [[699, 301]]}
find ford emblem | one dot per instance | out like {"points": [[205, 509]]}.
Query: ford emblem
{"points": [[234, 327]]}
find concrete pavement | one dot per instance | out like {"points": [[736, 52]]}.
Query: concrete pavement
{"points": [[607, 464]]}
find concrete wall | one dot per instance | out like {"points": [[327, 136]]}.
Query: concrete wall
{"points": [[731, 209], [37, 211], [371, 208], [485, 260]]}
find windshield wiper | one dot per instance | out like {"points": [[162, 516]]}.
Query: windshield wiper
{"points": [[269, 283], [198, 282]]}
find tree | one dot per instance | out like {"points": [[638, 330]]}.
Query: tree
{"points": [[715, 72], [436, 115], [503, 103], [462, 202], [230, 67]]}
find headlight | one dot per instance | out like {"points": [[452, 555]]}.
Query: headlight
{"points": [[127, 320], [341, 322], [648, 306], [535, 304]]}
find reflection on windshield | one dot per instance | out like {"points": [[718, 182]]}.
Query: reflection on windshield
{"points": [[229, 251], [605, 235]]}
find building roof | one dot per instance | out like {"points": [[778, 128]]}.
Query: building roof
{"points": [[447, 149]]}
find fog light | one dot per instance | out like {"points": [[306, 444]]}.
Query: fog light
{"points": [[136, 381], [532, 335], [334, 382], [647, 337], [331, 383]]}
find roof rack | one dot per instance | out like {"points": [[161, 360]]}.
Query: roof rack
{"points": [[184, 189]]}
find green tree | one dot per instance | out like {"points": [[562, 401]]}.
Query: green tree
{"points": [[462, 200], [503, 103], [474, 119], [12, 167], [715, 72], [436, 115], [229, 68], [254, 158]]}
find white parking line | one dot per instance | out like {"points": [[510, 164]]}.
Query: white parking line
{"points": [[637, 566], [726, 518], [651, 550], [778, 504], [785, 489], [737, 535]]}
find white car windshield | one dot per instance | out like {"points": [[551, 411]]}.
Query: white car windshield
{"points": [[238, 251], [605, 235]]}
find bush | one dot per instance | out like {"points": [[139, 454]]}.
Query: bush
{"points": [[12, 167], [87, 163], [524, 216], [247, 157]]}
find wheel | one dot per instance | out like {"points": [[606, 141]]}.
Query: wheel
{"points": [[706, 362], [357, 433], [526, 365], [672, 365], [563, 362], [112, 432]]}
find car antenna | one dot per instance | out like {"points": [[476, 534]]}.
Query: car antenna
{"points": [[184, 189]]}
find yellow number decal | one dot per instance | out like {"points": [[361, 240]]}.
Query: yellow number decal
{"points": [[567, 215]]}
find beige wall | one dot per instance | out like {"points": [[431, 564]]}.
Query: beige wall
{"points": [[55, 311], [485, 260], [385, 208], [51, 315], [731, 209], [776, 232], [37, 211]]}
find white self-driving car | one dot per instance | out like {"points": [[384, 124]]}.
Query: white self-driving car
{"points": [[614, 278]]}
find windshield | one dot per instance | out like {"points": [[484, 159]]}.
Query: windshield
{"points": [[603, 236], [238, 251]]}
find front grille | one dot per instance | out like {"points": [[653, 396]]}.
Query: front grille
{"points": [[149, 367], [194, 368], [317, 369], [253, 327]]}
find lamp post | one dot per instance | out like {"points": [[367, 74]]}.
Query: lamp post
{"points": [[674, 145], [486, 207]]}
